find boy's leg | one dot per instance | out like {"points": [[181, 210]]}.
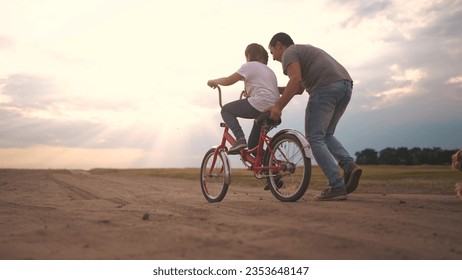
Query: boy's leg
{"points": [[254, 136], [231, 111]]}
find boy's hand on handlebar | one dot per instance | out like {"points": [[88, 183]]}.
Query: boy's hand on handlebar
{"points": [[212, 84]]}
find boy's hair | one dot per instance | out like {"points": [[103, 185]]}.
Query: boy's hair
{"points": [[282, 38], [257, 52]]}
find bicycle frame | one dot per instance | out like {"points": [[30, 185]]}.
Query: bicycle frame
{"points": [[283, 159], [256, 162]]}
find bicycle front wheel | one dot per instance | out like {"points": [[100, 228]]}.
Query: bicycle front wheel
{"points": [[215, 176], [291, 182]]}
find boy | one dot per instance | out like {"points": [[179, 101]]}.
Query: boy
{"points": [[262, 91]]}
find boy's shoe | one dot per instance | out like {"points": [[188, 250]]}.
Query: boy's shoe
{"points": [[332, 194], [237, 147], [351, 177]]}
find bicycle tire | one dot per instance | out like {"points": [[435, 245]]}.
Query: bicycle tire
{"points": [[215, 183], [291, 183]]}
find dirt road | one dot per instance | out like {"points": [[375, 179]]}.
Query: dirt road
{"points": [[77, 215]]}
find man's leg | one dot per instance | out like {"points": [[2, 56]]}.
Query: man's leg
{"points": [[320, 113]]}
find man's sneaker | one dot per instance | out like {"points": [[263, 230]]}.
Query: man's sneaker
{"points": [[332, 194], [351, 177], [236, 148]]}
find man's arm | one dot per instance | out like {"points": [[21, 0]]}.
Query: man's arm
{"points": [[294, 86], [281, 90], [300, 91]]}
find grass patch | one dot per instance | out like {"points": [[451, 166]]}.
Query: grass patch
{"points": [[60, 171], [178, 173], [387, 172], [375, 178], [410, 179]]}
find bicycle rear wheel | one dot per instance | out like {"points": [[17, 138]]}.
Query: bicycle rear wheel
{"points": [[215, 176], [291, 182]]}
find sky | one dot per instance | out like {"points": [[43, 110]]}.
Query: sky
{"points": [[123, 84]]}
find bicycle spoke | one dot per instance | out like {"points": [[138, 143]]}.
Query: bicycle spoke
{"points": [[213, 176], [291, 182]]}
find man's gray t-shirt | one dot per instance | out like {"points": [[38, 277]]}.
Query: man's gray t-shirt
{"points": [[318, 67]]}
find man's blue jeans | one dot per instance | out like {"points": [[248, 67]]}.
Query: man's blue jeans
{"points": [[326, 106]]}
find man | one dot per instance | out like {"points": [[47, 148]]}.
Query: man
{"points": [[457, 160], [457, 165], [330, 88]]}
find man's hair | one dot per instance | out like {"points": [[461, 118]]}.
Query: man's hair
{"points": [[257, 52], [282, 38]]}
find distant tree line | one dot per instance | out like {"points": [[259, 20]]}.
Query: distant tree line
{"points": [[405, 156]]}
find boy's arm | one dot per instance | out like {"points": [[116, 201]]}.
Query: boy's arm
{"points": [[225, 81]]}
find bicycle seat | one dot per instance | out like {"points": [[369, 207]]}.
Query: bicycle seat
{"points": [[264, 120]]}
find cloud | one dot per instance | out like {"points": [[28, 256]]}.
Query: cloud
{"points": [[403, 84], [407, 80], [132, 76], [417, 44], [33, 112], [36, 117], [455, 80], [25, 90], [371, 8]]}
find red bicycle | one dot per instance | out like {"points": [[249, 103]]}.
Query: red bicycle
{"points": [[285, 163]]}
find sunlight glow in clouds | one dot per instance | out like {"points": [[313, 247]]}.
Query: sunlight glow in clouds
{"points": [[62, 157], [96, 83], [455, 80]]}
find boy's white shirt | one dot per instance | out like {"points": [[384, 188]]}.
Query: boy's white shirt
{"points": [[261, 85]]}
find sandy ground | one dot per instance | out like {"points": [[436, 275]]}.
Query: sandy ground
{"points": [[77, 215]]}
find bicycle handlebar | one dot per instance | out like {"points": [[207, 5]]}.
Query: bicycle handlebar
{"points": [[220, 99], [219, 96]]}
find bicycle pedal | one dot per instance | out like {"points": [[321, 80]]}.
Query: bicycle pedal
{"points": [[279, 184]]}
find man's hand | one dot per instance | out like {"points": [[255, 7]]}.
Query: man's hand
{"points": [[275, 113]]}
